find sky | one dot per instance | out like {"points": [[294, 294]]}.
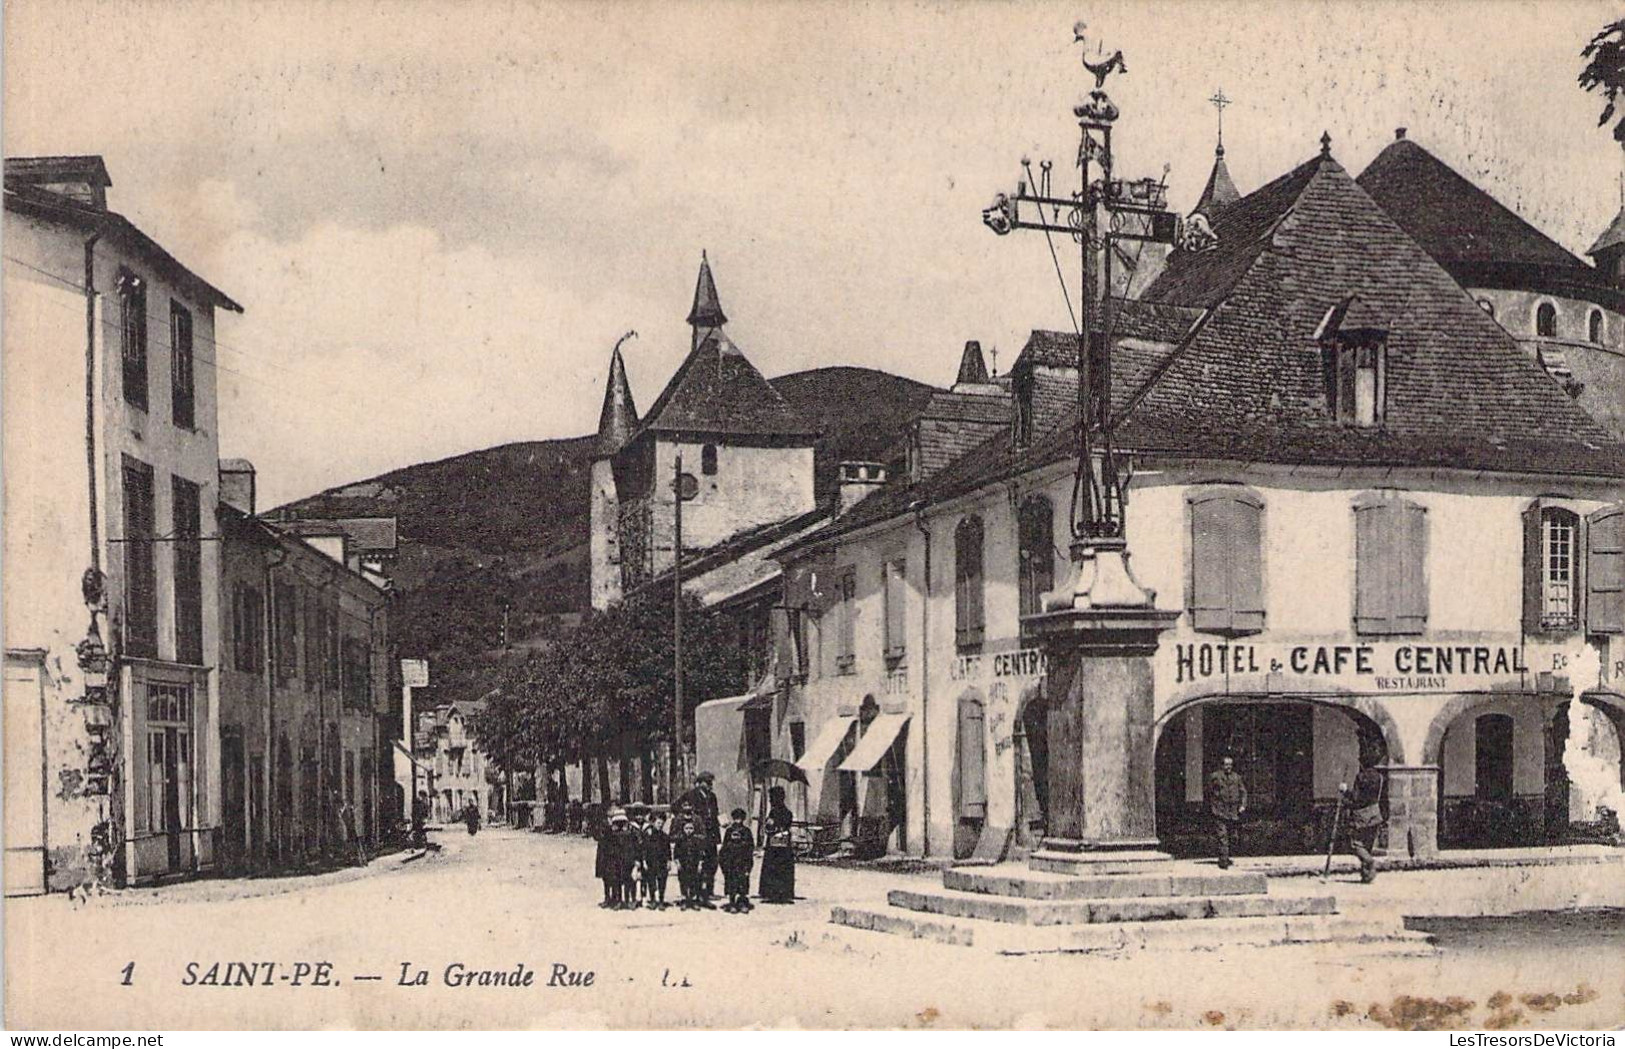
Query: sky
{"points": [[440, 217]]}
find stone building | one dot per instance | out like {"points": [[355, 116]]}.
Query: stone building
{"points": [[111, 592], [1376, 522], [304, 677]]}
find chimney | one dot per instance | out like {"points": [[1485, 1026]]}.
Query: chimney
{"points": [[858, 479], [237, 485], [1399, 133]]}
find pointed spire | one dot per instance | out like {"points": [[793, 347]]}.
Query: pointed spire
{"points": [[1220, 191], [618, 420], [707, 311], [972, 368]]}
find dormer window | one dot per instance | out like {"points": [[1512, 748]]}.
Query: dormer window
{"points": [[1546, 321], [1354, 348]]}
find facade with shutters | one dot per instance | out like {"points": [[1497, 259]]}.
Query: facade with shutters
{"points": [[304, 671], [111, 613], [1388, 532]]}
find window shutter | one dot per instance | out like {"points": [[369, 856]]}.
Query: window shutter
{"points": [[1210, 564], [895, 607], [1246, 565], [1532, 575], [972, 760], [1605, 571], [1373, 557], [1410, 607]]}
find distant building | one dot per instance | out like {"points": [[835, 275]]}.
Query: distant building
{"points": [[451, 767], [112, 565], [1566, 314], [749, 451], [304, 678]]}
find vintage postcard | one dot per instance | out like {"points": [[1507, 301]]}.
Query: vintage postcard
{"points": [[846, 515]]}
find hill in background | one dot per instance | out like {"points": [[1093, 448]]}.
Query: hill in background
{"points": [[500, 535]]}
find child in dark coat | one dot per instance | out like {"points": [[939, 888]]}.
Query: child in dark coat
{"points": [[656, 862], [692, 851], [736, 857], [607, 867]]}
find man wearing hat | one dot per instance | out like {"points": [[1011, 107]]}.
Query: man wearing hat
{"points": [[702, 803]]}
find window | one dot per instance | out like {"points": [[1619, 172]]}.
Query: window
{"points": [[798, 739], [140, 569], [132, 300], [972, 759], [846, 622], [1605, 571], [1358, 381], [1492, 754], [188, 527], [708, 460], [181, 385], [248, 628], [330, 646], [896, 598], [314, 638], [1021, 380], [1551, 556], [1594, 327], [1035, 528], [286, 609], [357, 674], [1390, 556], [968, 612], [1226, 574], [1546, 321]]}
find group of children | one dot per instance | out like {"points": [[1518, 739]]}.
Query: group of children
{"points": [[636, 849]]}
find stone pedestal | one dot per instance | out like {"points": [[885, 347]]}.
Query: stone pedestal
{"points": [[1413, 811], [1102, 709]]}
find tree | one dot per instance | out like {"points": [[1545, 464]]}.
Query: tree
{"points": [[1605, 72]]}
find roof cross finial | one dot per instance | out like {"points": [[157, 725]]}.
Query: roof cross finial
{"points": [[1325, 143], [1219, 102]]}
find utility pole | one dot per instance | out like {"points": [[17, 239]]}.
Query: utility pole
{"points": [[683, 488], [1133, 211]]}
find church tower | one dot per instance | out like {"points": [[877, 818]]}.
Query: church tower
{"points": [[617, 425]]}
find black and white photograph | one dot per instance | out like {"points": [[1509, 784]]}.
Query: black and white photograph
{"points": [[898, 515]]}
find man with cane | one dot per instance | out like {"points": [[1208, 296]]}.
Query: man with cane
{"points": [[1365, 821]]}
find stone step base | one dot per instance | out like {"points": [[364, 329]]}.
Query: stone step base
{"points": [[1043, 885], [1015, 910], [1374, 937], [1096, 863]]}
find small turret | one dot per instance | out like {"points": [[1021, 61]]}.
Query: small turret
{"points": [[618, 420], [706, 316], [1608, 253]]}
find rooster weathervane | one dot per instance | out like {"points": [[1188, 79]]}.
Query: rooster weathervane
{"points": [[1101, 70]]}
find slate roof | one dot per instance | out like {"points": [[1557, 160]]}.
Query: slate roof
{"points": [[1477, 239], [365, 535], [1612, 237], [618, 419], [707, 309], [972, 368], [86, 168], [948, 406], [1220, 191], [1246, 380], [717, 390]]}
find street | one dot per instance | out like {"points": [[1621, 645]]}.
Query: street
{"points": [[507, 899]]}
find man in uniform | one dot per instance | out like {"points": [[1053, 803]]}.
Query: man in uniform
{"points": [[701, 802], [1226, 800], [1364, 802]]}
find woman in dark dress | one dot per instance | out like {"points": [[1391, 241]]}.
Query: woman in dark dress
{"points": [[778, 880]]}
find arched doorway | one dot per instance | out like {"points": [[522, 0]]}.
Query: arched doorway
{"points": [[1291, 753]]}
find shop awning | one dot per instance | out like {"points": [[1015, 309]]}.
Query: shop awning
{"points": [[825, 744], [881, 734]]}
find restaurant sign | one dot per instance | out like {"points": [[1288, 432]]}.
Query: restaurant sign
{"points": [[1377, 666]]}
